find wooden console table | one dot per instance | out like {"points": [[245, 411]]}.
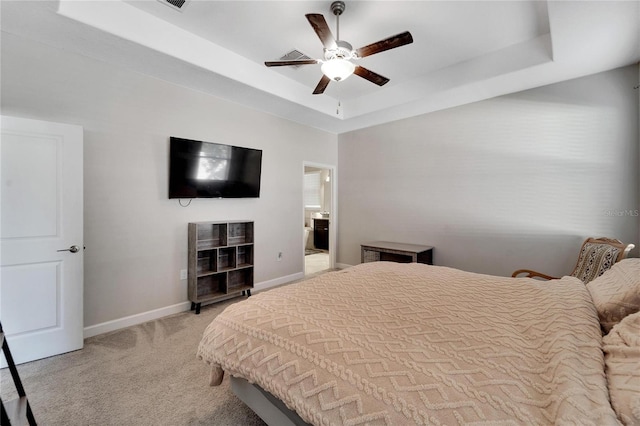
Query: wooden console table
{"points": [[396, 252]]}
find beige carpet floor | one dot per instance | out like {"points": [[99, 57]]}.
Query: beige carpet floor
{"points": [[142, 375]]}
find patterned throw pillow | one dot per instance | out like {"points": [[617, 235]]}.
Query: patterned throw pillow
{"points": [[594, 260], [616, 293], [622, 357]]}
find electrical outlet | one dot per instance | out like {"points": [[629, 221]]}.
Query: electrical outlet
{"points": [[183, 274], [279, 257]]}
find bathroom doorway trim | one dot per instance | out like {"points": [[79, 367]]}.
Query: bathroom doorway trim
{"points": [[333, 212]]}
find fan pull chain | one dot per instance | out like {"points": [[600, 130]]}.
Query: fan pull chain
{"points": [[338, 109]]}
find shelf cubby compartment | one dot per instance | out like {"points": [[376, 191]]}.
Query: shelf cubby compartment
{"points": [[212, 286], [207, 262], [226, 258], [211, 235], [245, 256], [240, 280], [240, 233]]}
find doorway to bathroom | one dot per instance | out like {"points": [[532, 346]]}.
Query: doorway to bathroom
{"points": [[318, 219]]}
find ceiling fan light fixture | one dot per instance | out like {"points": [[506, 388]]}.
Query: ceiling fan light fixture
{"points": [[338, 69], [336, 64]]}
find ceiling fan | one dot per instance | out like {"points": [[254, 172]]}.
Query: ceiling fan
{"points": [[337, 64]]}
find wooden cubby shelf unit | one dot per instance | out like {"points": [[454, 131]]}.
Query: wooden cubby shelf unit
{"points": [[220, 261]]}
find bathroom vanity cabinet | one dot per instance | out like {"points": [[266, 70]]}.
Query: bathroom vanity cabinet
{"points": [[321, 233]]}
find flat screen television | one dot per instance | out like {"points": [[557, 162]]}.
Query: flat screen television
{"points": [[211, 170]]}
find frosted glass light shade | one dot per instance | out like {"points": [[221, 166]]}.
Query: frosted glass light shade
{"points": [[338, 69]]}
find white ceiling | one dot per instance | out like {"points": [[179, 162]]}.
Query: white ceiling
{"points": [[463, 51]]}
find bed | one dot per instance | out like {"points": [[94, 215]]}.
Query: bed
{"points": [[393, 344]]}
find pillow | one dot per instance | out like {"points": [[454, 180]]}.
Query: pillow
{"points": [[616, 293], [594, 260], [622, 358]]}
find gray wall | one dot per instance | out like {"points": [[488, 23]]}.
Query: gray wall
{"points": [[136, 237], [517, 181], [512, 182]]}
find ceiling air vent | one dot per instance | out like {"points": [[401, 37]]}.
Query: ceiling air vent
{"points": [[293, 55], [175, 4]]}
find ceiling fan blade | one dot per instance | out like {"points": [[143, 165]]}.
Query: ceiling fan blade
{"points": [[370, 75], [321, 28], [324, 82], [291, 62], [386, 44]]}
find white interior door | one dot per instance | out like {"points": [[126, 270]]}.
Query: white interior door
{"points": [[41, 253]]}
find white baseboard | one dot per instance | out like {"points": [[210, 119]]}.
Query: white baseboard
{"points": [[343, 265], [136, 319], [278, 281]]}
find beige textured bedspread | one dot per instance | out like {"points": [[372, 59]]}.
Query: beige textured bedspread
{"points": [[396, 344]]}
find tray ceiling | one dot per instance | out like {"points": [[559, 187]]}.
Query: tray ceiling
{"points": [[463, 51]]}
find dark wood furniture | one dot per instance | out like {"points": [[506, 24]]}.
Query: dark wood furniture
{"points": [[321, 234], [220, 261], [17, 411], [396, 252]]}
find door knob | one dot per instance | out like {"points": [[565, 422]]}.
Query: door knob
{"points": [[72, 249]]}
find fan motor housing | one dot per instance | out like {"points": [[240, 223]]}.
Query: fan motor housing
{"points": [[343, 50]]}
